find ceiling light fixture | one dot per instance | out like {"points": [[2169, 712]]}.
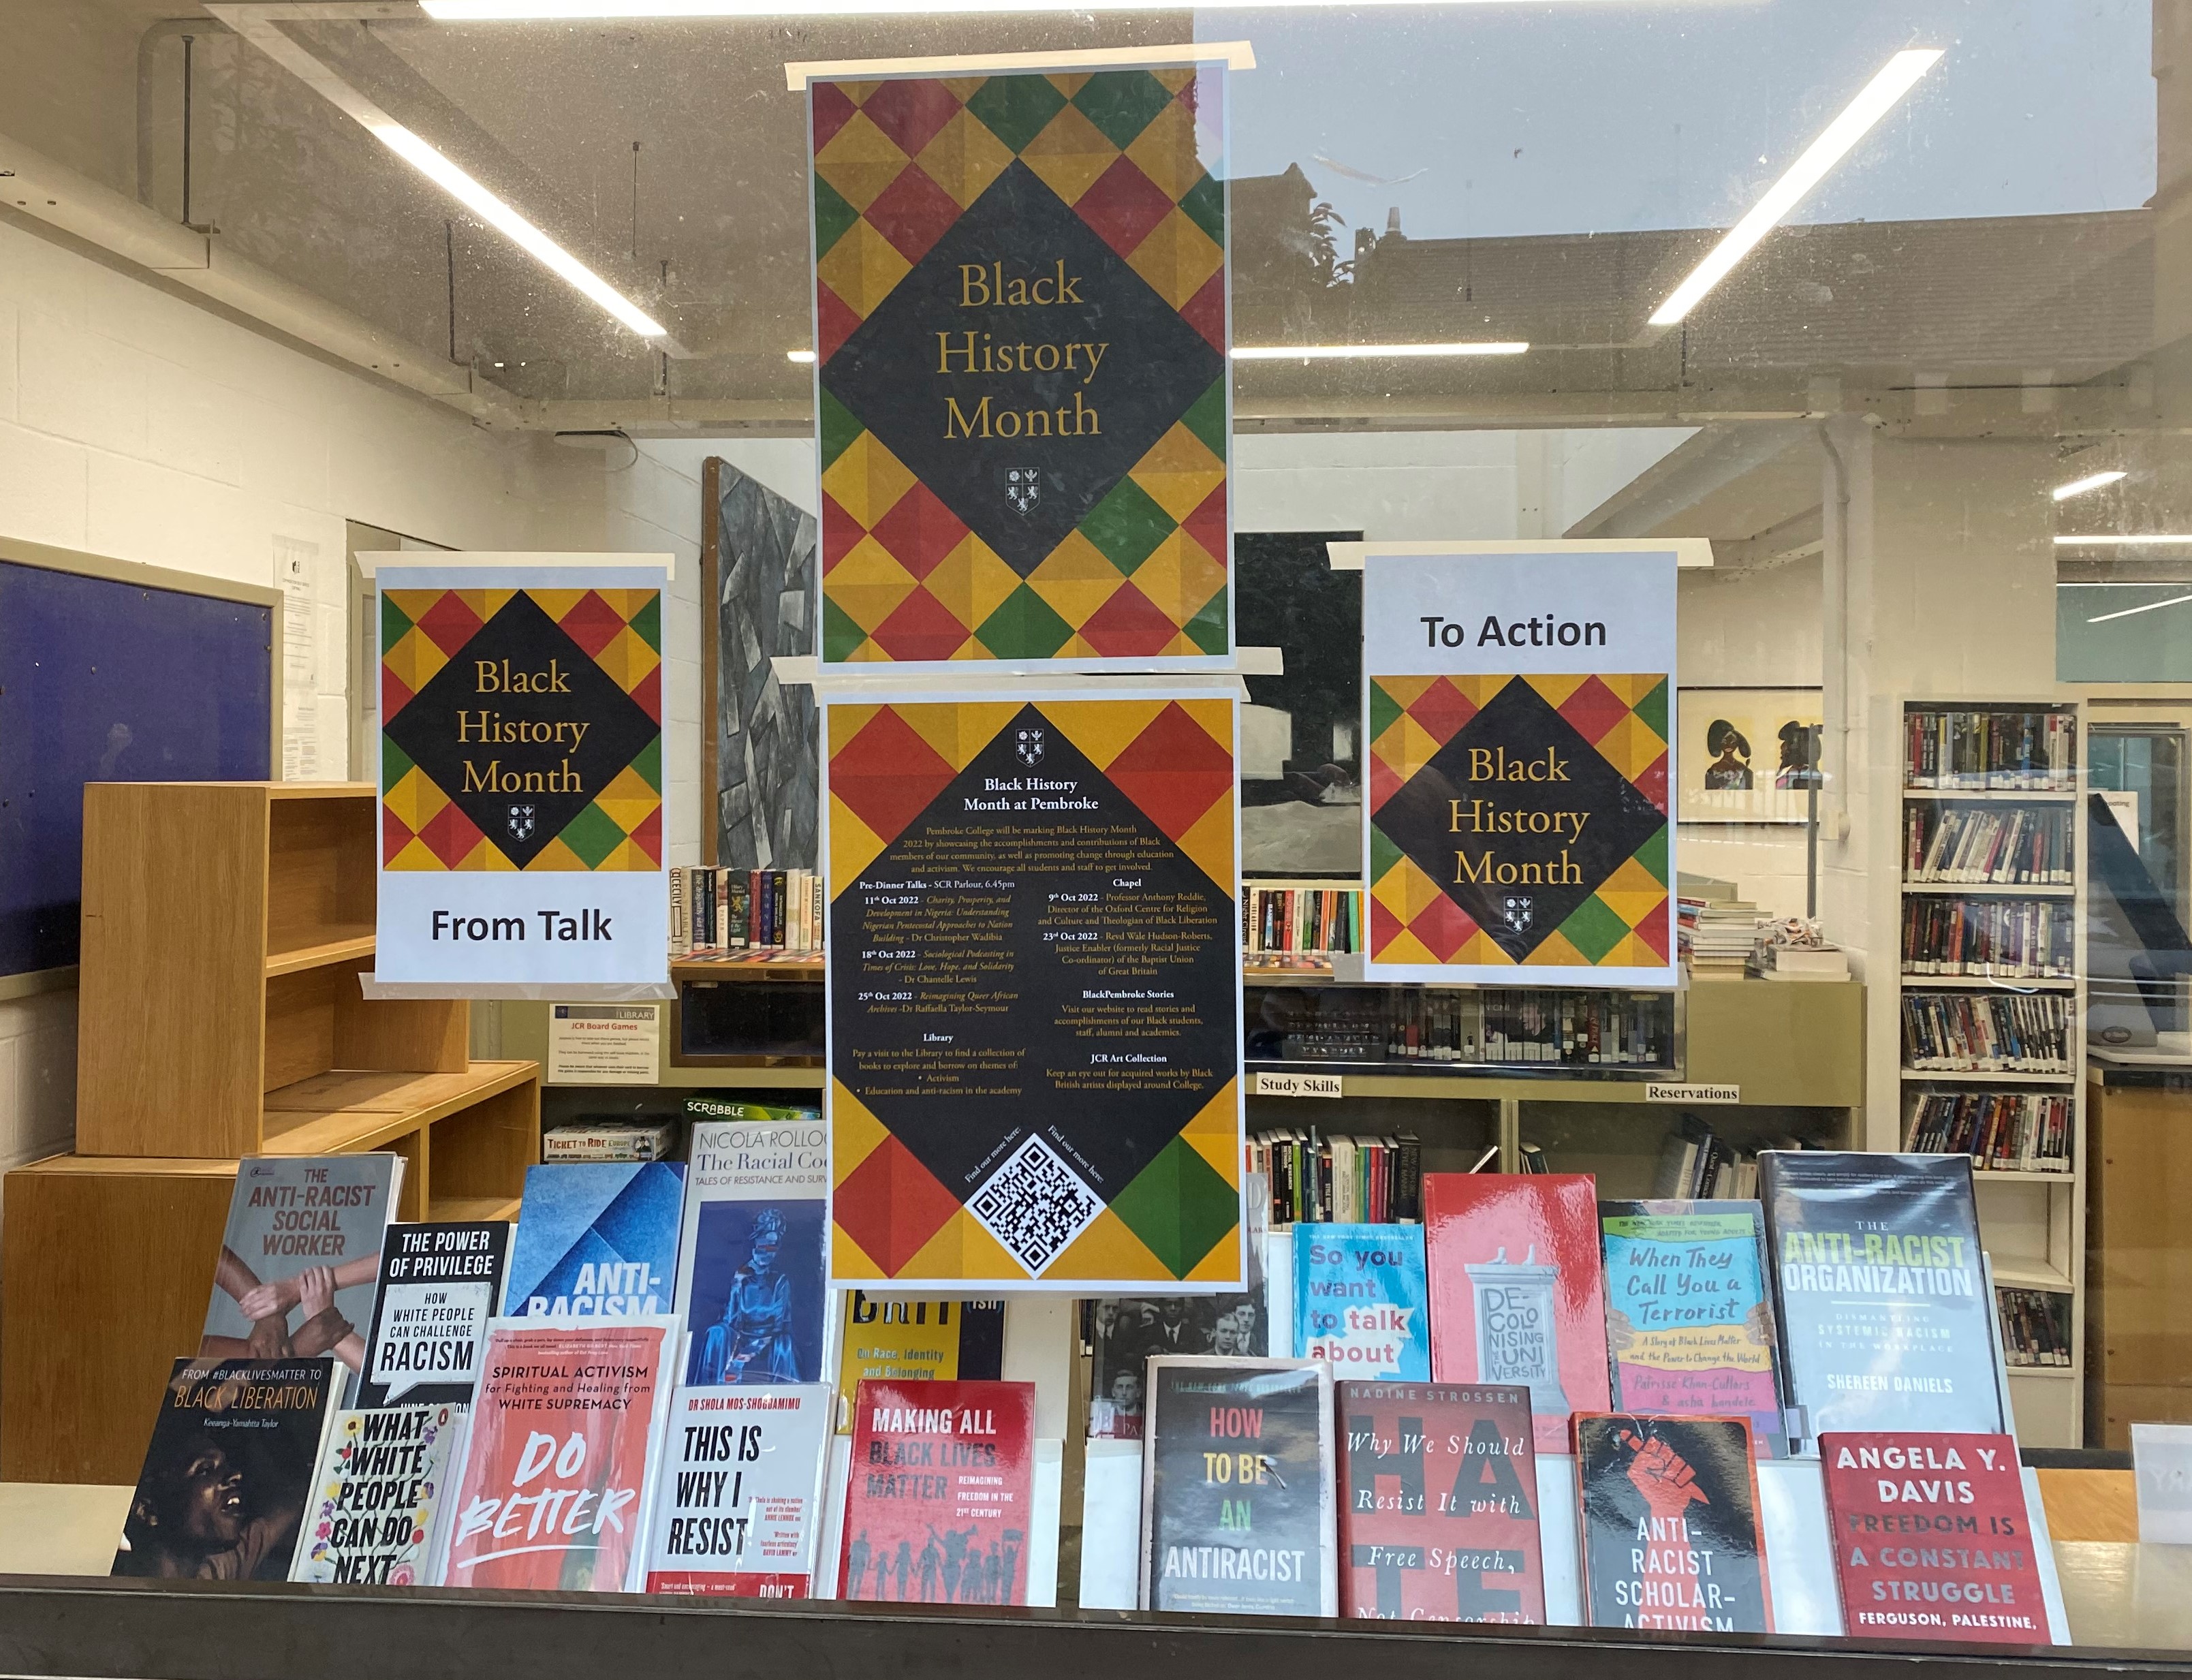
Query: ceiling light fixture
{"points": [[2128, 540], [1329, 352], [801, 356], [2078, 486], [2173, 601], [488, 11], [1878, 97]]}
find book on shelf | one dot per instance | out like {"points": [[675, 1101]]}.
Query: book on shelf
{"points": [[228, 1472], [596, 1240], [1671, 1535], [752, 1279], [1880, 1290], [440, 1283], [1438, 1507], [1517, 1290], [1362, 1299], [1971, 749], [2012, 938], [1981, 1586], [610, 1140], [1500, 1026], [2035, 1327], [1824, 963], [1237, 1515], [904, 1339], [715, 910], [1988, 845], [1716, 936], [941, 1509], [2001, 1131], [1696, 1162], [1339, 1180], [1287, 921], [379, 1507], [1986, 1032], [739, 1509]]}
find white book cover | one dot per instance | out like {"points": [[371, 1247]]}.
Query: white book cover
{"points": [[738, 1501], [751, 1284], [378, 1494]]}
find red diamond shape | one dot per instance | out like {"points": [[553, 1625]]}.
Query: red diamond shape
{"points": [[912, 213], [1385, 928], [1205, 311], [648, 836], [886, 775], [593, 624], [1207, 525], [1651, 783], [833, 111], [1128, 623], [1174, 771], [1593, 709], [920, 627], [450, 836], [919, 531], [646, 694], [450, 622], [1441, 709], [840, 532], [890, 1204], [394, 695], [1443, 926], [1652, 930], [395, 835], [1385, 782], [911, 112], [834, 321], [1124, 206]]}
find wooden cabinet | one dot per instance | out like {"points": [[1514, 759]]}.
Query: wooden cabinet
{"points": [[2138, 1258]]}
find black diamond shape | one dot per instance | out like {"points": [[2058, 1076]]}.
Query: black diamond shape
{"points": [[1155, 368], [1518, 727], [448, 727]]}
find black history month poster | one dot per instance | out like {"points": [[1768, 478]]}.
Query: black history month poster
{"points": [[1022, 412], [1515, 702], [521, 775], [1034, 993]]}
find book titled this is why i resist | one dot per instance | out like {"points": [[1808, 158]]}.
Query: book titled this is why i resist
{"points": [[739, 1507]]}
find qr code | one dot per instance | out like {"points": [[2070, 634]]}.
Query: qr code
{"points": [[1036, 1205]]}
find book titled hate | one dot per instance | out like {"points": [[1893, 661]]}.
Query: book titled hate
{"points": [[941, 1502], [1438, 1518], [1932, 1540], [1671, 1529]]}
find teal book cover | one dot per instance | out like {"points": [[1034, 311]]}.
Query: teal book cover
{"points": [[596, 1240], [1360, 1295]]}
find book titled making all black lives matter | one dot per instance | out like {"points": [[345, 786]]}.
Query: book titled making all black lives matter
{"points": [[1671, 1529]]}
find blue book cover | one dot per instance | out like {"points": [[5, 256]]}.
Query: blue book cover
{"points": [[596, 1240], [1359, 1300], [751, 1284]]}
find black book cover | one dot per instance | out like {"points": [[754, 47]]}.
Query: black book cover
{"points": [[1671, 1534], [439, 1285]]}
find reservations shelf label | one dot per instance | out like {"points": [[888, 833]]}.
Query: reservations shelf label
{"points": [[1658, 1091]]}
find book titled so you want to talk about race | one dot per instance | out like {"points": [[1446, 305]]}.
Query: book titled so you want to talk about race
{"points": [[739, 1506], [1670, 1528], [440, 1283], [751, 1285], [379, 1496], [596, 1240], [1360, 1295], [1438, 1503]]}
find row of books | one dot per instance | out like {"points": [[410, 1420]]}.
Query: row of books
{"points": [[2010, 939], [744, 910], [1289, 920], [2004, 846], [2002, 1131], [1696, 1161], [1349, 1180], [1716, 937], [2035, 1327], [1986, 1032], [1997, 748], [1504, 1027]]}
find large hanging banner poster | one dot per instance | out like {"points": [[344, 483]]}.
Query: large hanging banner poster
{"points": [[1034, 993], [1020, 381], [1515, 702], [520, 777]]}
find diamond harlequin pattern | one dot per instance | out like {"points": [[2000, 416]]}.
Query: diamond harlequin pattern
{"points": [[1471, 868], [1087, 514]]}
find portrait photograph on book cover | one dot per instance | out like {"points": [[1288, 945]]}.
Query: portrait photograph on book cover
{"points": [[757, 1303]]}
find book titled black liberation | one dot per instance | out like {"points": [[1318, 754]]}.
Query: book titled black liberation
{"points": [[1671, 1534]]}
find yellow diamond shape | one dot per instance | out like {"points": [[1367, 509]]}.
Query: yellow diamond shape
{"points": [[1178, 471], [416, 799], [861, 268], [970, 581], [416, 855], [1165, 151], [866, 481], [964, 158], [1632, 746], [1069, 154], [1176, 258], [868, 584], [627, 659], [1557, 951], [1075, 580], [1178, 577], [413, 659], [957, 730], [852, 844], [859, 161]]}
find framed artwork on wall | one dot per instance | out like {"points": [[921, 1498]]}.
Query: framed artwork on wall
{"points": [[1747, 754]]}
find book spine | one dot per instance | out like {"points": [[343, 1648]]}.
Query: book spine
{"points": [[681, 937]]}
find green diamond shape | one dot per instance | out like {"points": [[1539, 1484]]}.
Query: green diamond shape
{"points": [[1127, 525], [840, 635], [832, 216], [838, 428], [1016, 108], [646, 623], [1121, 102], [1205, 204], [1652, 708], [1179, 1208], [1024, 627], [395, 762], [648, 765], [1593, 928], [1385, 855], [1208, 628], [1384, 710], [393, 623], [593, 835], [1206, 418], [1652, 854]]}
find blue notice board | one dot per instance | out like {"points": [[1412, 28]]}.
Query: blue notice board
{"points": [[105, 681]]}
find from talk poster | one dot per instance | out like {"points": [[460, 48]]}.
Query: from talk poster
{"points": [[1023, 413], [1515, 702], [1034, 993]]}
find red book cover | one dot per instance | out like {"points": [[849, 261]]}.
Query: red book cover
{"points": [[1518, 1294], [1438, 1511], [1931, 1538], [555, 1490], [942, 1494]]}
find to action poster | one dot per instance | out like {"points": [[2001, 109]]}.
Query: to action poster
{"points": [[1020, 366], [521, 776], [1515, 701], [1034, 1031]]}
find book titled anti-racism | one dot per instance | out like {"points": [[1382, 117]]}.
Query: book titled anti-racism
{"points": [[440, 1283], [1438, 1503], [941, 1502], [751, 1285], [1689, 1318], [1237, 1514], [739, 1507], [556, 1485], [1931, 1538], [596, 1240], [1359, 1297], [1517, 1293], [1880, 1291], [223, 1492], [380, 1488], [1670, 1530]]}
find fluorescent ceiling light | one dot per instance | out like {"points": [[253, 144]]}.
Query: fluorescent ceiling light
{"points": [[2078, 486], [2133, 540], [801, 356], [482, 11], [1327, 352], [1896, 78], [2151, 606]]}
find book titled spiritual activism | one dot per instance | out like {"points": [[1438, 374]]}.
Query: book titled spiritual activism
{"points": [[1359, 1300], [1689, 1322], [222, 1494], [380, 1488], [1516, 1290], [556, 1487], [440, 1283], [1880, 1291], [750, 1282], [1933, 1538], [596, 1240], [940, 1503], [1438, 1506], [739, 1506], [1237, 1513], [1671, 1529], [299, 1259]]}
